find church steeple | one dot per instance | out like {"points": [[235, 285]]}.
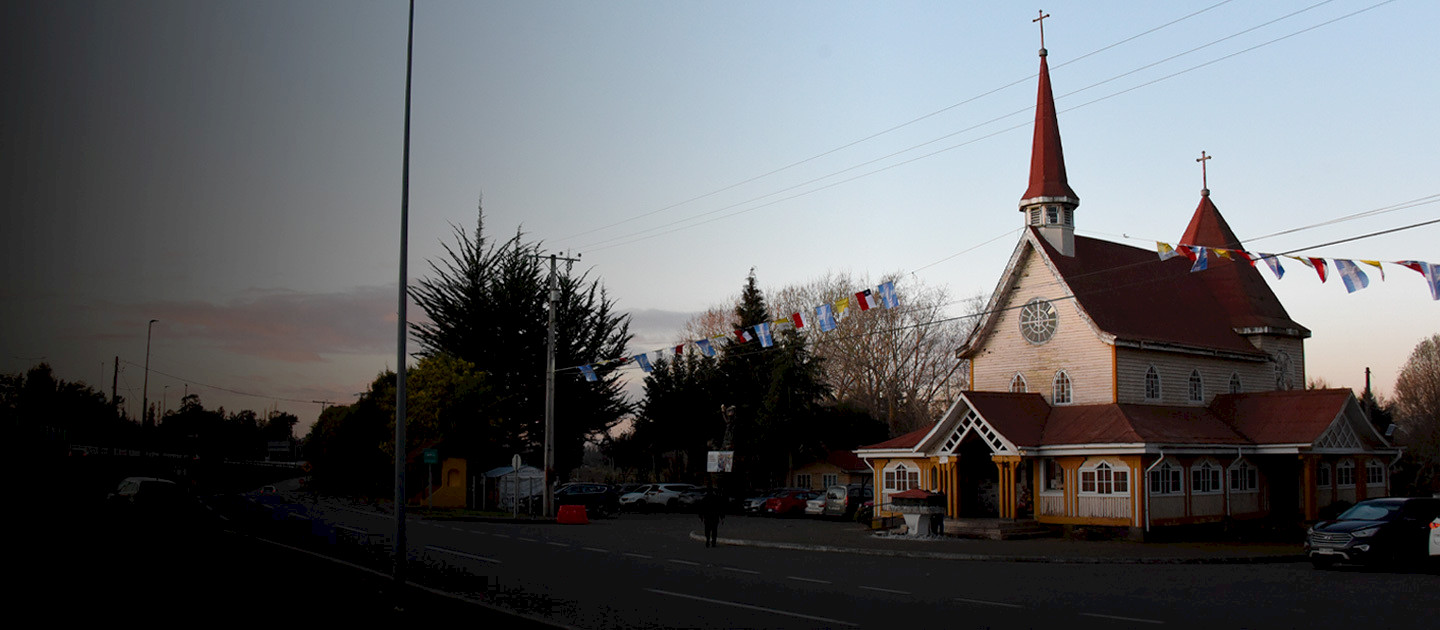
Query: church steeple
{"points": [[1049, 203]]}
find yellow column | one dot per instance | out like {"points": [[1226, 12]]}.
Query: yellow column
{"points": [[1307, 483]]}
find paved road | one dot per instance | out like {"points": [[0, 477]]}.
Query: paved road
{"points": [[646, 571]]}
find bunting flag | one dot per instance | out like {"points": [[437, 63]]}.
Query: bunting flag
{"points": [[1187, 252], [644, 360], [1431, 273], [842, 308], [866, 300], [680, 351], [589, 373], [743, 336], [1319, 265], [801, 320], [1244, 255], [825, 317], [888, 299], [1418, 266], [1223, 253], [1165, 251], [1202, 260], [704, 346], [762, 330], [1376, 264], [1351, 275], [1274, 262]]}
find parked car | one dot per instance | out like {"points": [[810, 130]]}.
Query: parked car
{"points": [[656, 496], [789, 502], [756, 504], [600, 500], [1391, 530], [816, 506], [842, 501]]}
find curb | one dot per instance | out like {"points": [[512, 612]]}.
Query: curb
{"points": [[945, 555]]}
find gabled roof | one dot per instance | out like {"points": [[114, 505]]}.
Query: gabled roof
{"points": [[1243, 296], [1020, 417], [1047, 159], [846, 461], [907, 441], [1294, 416], [1137, 424]]}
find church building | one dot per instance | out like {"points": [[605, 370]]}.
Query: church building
{"points": [[1111, 387]]}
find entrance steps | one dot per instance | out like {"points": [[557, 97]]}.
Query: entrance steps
{"points": [[996, 528]]}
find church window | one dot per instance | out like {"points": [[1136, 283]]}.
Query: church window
{"points": [[1345, 474], [1034, 216], [1235, 383], [1197, 387], [1374, 473], [1152, 384], [901, 478], [1069, 217], [1017, 384], [1167, 479], [1205, 479], [1244, 477], [1322, 476], [1038, 321], [1062, 388], [1104, 479], [1052, 215], [1283, 378]]}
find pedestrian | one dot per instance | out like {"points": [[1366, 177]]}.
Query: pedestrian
{"points": [[712, 511]]}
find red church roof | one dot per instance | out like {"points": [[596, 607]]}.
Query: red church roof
{"points": [[1047, 160], [1297, 416], [1243, 295]]}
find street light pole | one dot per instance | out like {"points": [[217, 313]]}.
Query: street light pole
{"points": [[145, 395]]}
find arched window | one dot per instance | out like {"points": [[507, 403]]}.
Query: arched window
{"points": [[1235, 383], [1374, 473], [1283, 379], [1322, 476], [1152, 384], [1017, 384], [1205, 478], [1244, 477], [1166, 480], [1197, 387], [1062, 388], [1104, 478], [1345, 474], [901, 478]]}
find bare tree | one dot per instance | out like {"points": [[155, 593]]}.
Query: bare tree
{"points": [[1417, 410], [896, 364]]}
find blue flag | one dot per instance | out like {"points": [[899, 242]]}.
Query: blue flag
{"points": [[762, 332], [704, 346], [644, 360], [1274, 262], [1202, 258], [589, 372], [1351, 275], [888, 299], [825, 314]]}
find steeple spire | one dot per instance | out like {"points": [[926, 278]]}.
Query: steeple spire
{"points": [[1049, 203]]}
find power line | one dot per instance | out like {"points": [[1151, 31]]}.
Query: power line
{"points": [[229, 390]]}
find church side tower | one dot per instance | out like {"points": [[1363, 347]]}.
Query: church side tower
{"points": [[1049, 203]]}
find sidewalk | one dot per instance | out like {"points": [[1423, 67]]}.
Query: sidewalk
{"points": [[846, 537]]}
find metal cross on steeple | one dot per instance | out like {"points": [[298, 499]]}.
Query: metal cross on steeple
{"points": [[1204, 179], [1041, 20]]}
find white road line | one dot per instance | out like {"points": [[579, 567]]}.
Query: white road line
{"points": [[501, 535], [639, 555], [596, 549], [759, 608], [981, 601], [741, 570], [526, 539], [803, 579], [693, 564], [555, 544], [463, 554], [1122, 618], [886, 590]]}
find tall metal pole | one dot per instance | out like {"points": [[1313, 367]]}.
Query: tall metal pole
{"points": [[145, 390], [400, 545], [550, 397]]}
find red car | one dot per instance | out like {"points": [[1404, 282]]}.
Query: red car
{"points": [[789, 502]]}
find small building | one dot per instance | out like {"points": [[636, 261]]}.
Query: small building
{"points": [[838, 467], [506, 483]]}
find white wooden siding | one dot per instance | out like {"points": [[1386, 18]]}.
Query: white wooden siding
{"points": [[1052, 505], [1175, 371], [1075, 348], [1103, 506]]}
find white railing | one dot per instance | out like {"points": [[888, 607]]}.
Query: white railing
{"points": [[1100, 506]]}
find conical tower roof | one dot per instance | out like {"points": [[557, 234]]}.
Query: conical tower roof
{"points": [[1244, 296], [1047, 159]]}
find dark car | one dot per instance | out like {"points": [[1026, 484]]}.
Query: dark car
{"points": [[599, 499], [1394, 530]]}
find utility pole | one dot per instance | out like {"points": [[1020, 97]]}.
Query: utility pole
{"points": [[554, 293], [401, 546], [145, 420], [114, 385]]}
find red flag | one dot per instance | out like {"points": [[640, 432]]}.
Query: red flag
{"points": [[1187, 252], [742, 336], [798, 319], [866, 300], [1319, 264], [680, 350]]}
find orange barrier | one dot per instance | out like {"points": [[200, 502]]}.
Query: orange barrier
{"points": [[572, 515]]}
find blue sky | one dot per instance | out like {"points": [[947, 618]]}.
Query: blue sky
{"points": [[233, 168]]}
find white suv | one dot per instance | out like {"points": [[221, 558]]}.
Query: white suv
{"points": [[655, 496]]}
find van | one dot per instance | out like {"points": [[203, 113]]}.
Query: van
{"points": [[841, 501]]}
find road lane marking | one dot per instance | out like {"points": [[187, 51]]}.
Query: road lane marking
{"points": [[987, 603], [501, 535], [886, 590], [596, 549], [462, 554], [741, 570], [754, 607], [811, 580], [693, 564], [639, 555], [555, 544], [526, 539], [1137, 620]]}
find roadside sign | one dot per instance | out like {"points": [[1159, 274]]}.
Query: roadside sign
{"points": [[1435, 537], [515, 462], [720, 461], [432, 456]]}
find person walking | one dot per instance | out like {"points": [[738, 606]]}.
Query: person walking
{"points": [[712, 511]]}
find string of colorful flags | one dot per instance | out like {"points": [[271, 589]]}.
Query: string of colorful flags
{"points": [[1351, 274], [825, 318]]}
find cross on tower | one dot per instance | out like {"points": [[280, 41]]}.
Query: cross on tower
{"points": [[1204, 180], [1041, 20]]}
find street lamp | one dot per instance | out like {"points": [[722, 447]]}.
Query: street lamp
{"points": [[145, 393]]}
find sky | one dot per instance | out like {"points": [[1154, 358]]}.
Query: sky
{"points": [[233, 169]]}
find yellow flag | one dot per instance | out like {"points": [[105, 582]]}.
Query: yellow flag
{"points": [[1376, 264]]}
